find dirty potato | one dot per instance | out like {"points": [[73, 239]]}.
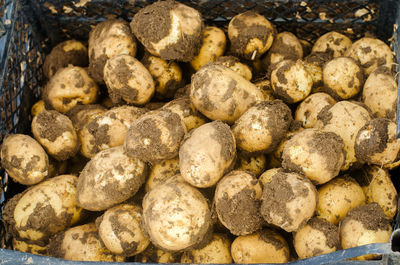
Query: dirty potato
{"points": [[161, 171], [236, 65], [332, 42]]}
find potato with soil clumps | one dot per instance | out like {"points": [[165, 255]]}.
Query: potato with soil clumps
{"points": [[317, 154], [206, 154], [265, 86], [264, 246], [70, 52], [332, 42], [250, 35], [69, 87], [80, 115], [269, 174], [176, 216], [262, 127], [288, 201], [236, 65], [255, 164], [314, 64], [107, 40], [24, 159], [81, 243], [155, 136], [161, 172], [276, 156], [128, 81], [317, 237], [109, 178], [237, 202], [169, 30]]}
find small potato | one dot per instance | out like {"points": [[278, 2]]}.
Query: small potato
{"points": [[332, 42], [250, 35], [268, 175], [234, 64], [264, 246], [337, 197], [107, 40], [70, 52], [81, 243], [162, 171], [109, 178], [22, 246], [237, 202], [153, 254], [265, 86], [206, 154], [255, 164], [56, 134], [68, 87], [313, 64], [24, 159], [38, 107], [213, 45], [290, 81], [80, 115], [289, 200]]}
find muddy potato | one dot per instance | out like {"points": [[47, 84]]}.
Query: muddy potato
{"points": [[109, 178], [276, 156], [337, 197], [250, 35], [269, 174], [38, 107], [317, 237], [80, 115], [236, 65], [68, 87], [265, 86], [152, 254], [162, 171], [314, 64], [206, 154], [55, 132], [264, 246], [289, 200], [262, 127], [291, 81], [332, 42], [70, 52], [255, 164], [22, 246], [24, 159]]}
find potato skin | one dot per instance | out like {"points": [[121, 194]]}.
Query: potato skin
{"points": [[332, 42], [161, 172], [236, 65]]}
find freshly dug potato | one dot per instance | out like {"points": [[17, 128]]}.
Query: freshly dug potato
{"points": [[22, 246], [255, 164], [264, 246], [265, 86], [276, 156], [80, 115], [207, 154], [288, 201], [69, 87], [119, 230], [70, 52], [162, 171], [109, 178], [370, 53], [153, 254], [169, 30], [314, 64], [213, 45], [236, 65], [317, 237], [307, 111], [291, 81], [337, 197], [268, 175], [250, 35], [317, 154], [237, 202], [81, 243], [55, 132], [217, 251], [38, 107], [332, 42], [24, 159], [107, 40], [262, 127], [176, 216], [155, 136], [128, 80]]}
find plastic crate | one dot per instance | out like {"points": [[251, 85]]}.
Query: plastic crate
{"points": [[29, 28]]}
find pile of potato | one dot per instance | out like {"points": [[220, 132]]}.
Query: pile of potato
{"points": [[267, 153]]}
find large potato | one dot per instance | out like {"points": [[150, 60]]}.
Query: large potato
{"points": [[332, 42]]}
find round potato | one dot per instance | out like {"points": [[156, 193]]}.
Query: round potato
{"points": [[162, 171], [332, 42], [236, 65]]}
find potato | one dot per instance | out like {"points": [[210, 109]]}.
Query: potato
{"points": [[24, 159], [234, 64], [254, 164], [268, 175], [290, 81], [222, 94], [250, 35], [276, 156], [153, 254], [22, 246], [55, 132], [68, 87], [176, 216], [109, 178], [262, 127], [107, 40], [370, 53], [317, 237], [169, 30], [38, 107], [155, 136], [206, 154], [81, 243], [128, 80], [237, 202], [265, 86], [80, 115], [288, 201], [314, 64], [264, 246], [332, 42], [337, 197], [162, 171], [69, 52], [317, 154], [213, 45]]}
